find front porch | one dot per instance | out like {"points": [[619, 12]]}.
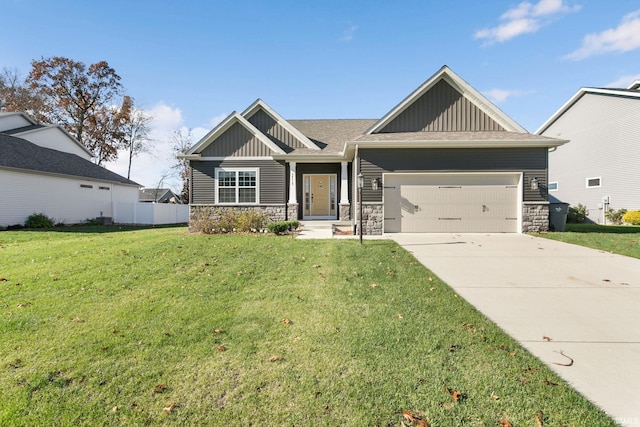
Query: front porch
{"points": [[320, 191]]}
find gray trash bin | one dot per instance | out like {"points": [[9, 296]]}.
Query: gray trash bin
{"points": [[558, 216]]}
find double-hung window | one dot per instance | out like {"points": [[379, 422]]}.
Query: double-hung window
{"points": [[237, 186]]}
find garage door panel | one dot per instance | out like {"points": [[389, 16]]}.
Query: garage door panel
{"points": [[451, 208]]}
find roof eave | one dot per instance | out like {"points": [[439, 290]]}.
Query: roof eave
{"points": [[458, 144]]}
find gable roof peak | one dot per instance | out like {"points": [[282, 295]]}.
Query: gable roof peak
{"points": [[448, 75], [259, 104], [222, 127]]}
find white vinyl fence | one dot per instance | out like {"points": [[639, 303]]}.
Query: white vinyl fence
{"points": [[150, 213]]}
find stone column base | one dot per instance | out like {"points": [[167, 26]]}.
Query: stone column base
{"points": [[345, 212], [292, 211], [535, 217]]}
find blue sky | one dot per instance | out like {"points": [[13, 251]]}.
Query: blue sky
{"points": [[190, 63]]}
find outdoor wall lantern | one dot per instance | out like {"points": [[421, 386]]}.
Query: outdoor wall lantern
{"points": [[375, 184], [360, 186], [534, 183]]}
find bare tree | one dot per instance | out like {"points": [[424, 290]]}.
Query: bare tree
{"points": [[181, 141], [15, 94], [134, 128]]}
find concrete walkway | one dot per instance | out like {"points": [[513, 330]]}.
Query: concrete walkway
{"points": [[586, 301]]}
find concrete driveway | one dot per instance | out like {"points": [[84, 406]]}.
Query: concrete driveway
{"points": [[586, 301]]}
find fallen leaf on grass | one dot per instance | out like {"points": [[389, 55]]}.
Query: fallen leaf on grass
{"points": [[563, 364], [286, 321], [169, 409], [400, 316], [456, 395], [2, 279], [539, 419], [114, 409], [415, 418], [221, 348], [316, 265], [546, 338], [551, 383], [494, 396], [159, 388], [505, 423], [390, 273], [275, 358], [431, 279], [373, 285], [78, 320], [218, 331]]}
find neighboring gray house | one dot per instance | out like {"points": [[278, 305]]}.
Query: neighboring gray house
{"points": [[159, 195], [43, 169], [445, 159], [600, 168]]}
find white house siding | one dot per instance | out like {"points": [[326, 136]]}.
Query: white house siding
{"points": [[12, 121], [60, 198], [54, 138], [604, 134]]}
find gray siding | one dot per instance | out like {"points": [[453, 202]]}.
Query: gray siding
{"points": [[531, 161], [278, 134], [272, 180], [604, 135], [442, 109], [236, 141]]}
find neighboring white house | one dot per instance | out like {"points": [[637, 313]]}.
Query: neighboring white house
{"points": [[43, 169], [600, 166]]}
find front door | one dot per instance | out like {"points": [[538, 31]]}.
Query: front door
{"points": [[320, 196]]}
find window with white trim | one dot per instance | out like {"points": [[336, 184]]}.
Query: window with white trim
{"points": [[553, 186], [594, 182], [237, 186]]}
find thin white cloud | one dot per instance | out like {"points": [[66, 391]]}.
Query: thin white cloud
{"points": [[501, 95], [624, 38], [349, 33], [623, 81], [525, 18]]}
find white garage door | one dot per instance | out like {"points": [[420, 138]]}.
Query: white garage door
{"points": [[451, 203]]}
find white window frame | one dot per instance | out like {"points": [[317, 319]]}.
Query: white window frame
{"points": [[237, 187], [553, 189], [599, 178]]}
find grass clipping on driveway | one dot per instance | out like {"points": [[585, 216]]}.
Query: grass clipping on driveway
{"points": [[163, 327]]}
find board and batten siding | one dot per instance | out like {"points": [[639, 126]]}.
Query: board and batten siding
{"points": [[442, 109], [604, 141], [272, 179], [531, 161], [236, 142], [278, 134]]}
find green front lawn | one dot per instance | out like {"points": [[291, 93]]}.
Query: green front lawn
{"points": [[160, 327], [623, 239]]}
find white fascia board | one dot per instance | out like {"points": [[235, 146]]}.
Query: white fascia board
{"points": [[584, 90], [465, 88], [222, 127], [260, 104], [457, 144]]}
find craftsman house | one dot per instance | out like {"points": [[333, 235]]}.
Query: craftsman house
{"points": [[445, 159]]}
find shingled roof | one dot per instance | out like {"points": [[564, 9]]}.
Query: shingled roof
{"points": [[18, 153]]}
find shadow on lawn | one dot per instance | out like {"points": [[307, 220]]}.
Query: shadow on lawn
{"points": [[595, 228]]}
